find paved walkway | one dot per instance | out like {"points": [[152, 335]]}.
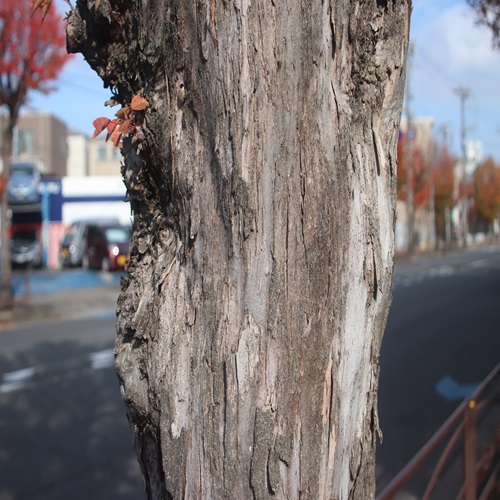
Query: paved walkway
{"points": [[48, 296]]}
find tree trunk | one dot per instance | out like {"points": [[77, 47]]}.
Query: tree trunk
{"points": [[263, 186], [6, 266]]}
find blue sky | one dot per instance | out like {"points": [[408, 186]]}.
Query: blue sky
{"points": [[450, 51]]}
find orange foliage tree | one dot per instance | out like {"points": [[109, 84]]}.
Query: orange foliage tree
{"points": [[444, 187], [32, 54], [441, 172], [420, 175], [486, 191]]}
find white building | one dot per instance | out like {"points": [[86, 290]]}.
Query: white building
{"points": [[104, 158], [77, 165]]}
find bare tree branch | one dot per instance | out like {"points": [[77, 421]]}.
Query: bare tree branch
{"points": [[488, 13]]}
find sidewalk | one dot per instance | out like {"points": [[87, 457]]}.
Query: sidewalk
{"points": [[66, 304]]}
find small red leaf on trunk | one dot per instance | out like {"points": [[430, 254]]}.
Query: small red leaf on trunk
{"points": [[99, 124], [123, 113], [139, 103], [115, 138]]}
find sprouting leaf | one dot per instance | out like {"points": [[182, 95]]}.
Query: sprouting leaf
{"points": [[124, 127], [100, 124], [138, 103], [111, 127], [115, 138], [123, 124], [123, 113]]}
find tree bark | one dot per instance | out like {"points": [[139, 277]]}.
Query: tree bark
{"points": [[262, 182], [6, 266]]}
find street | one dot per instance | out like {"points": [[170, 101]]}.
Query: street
{"points": [[441, 340], [63, 429]]}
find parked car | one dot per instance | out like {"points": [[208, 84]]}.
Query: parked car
{"points": [[74, 243], [107, 247], [26, 248], [23, 185]]}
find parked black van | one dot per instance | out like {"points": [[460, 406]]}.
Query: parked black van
{"points": [[74, 243], [107, 247]]}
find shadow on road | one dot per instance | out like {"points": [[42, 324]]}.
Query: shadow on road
{"points": [[65, 435]]}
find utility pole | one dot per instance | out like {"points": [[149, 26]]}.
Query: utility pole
{"points": [[432, 197], [447, 214], [410, 136], [463, 94]]}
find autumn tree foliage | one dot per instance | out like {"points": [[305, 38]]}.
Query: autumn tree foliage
{"points": [[486, 190], [440, 172], [444, 188], [420, 174], [32, 54]]}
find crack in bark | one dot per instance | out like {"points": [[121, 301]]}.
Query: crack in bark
{"points": [[332, 33], [302, 199], [377, 152]]}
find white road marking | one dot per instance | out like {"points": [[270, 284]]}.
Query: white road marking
{"points": [[19, 379], [19, 375], [13, 381], [477, 264], [102, 359]]}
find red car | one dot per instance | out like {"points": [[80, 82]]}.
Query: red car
{"points": [[107, 247]]}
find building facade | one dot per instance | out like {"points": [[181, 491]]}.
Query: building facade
{"points": [[40, 136], [422, 134], [44, 137], [78, 155], [104, 158]]}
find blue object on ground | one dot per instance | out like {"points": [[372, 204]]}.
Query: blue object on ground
{"points": [[54, 281], [451, 390]]}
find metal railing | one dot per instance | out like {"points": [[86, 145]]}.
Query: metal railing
{"points": [[462, 422]]}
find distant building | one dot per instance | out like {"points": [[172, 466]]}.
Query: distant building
{"points": [[77, 164], [40, 136], [104, 158], [422, 135]]}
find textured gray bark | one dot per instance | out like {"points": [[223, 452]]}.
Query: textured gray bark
{"points": [[6, 267], [263, 188]]}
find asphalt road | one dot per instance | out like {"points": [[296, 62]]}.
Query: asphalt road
{"points": [[63, 430], [441, 340]]}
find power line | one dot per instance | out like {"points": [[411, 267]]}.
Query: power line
{"points": [[437, 67], [79, 86]]}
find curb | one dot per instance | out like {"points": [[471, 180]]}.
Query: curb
{"points": [[68, 304]]}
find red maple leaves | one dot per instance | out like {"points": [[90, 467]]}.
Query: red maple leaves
{"points": [[32, 54], [125, 122], [43, 5]]}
